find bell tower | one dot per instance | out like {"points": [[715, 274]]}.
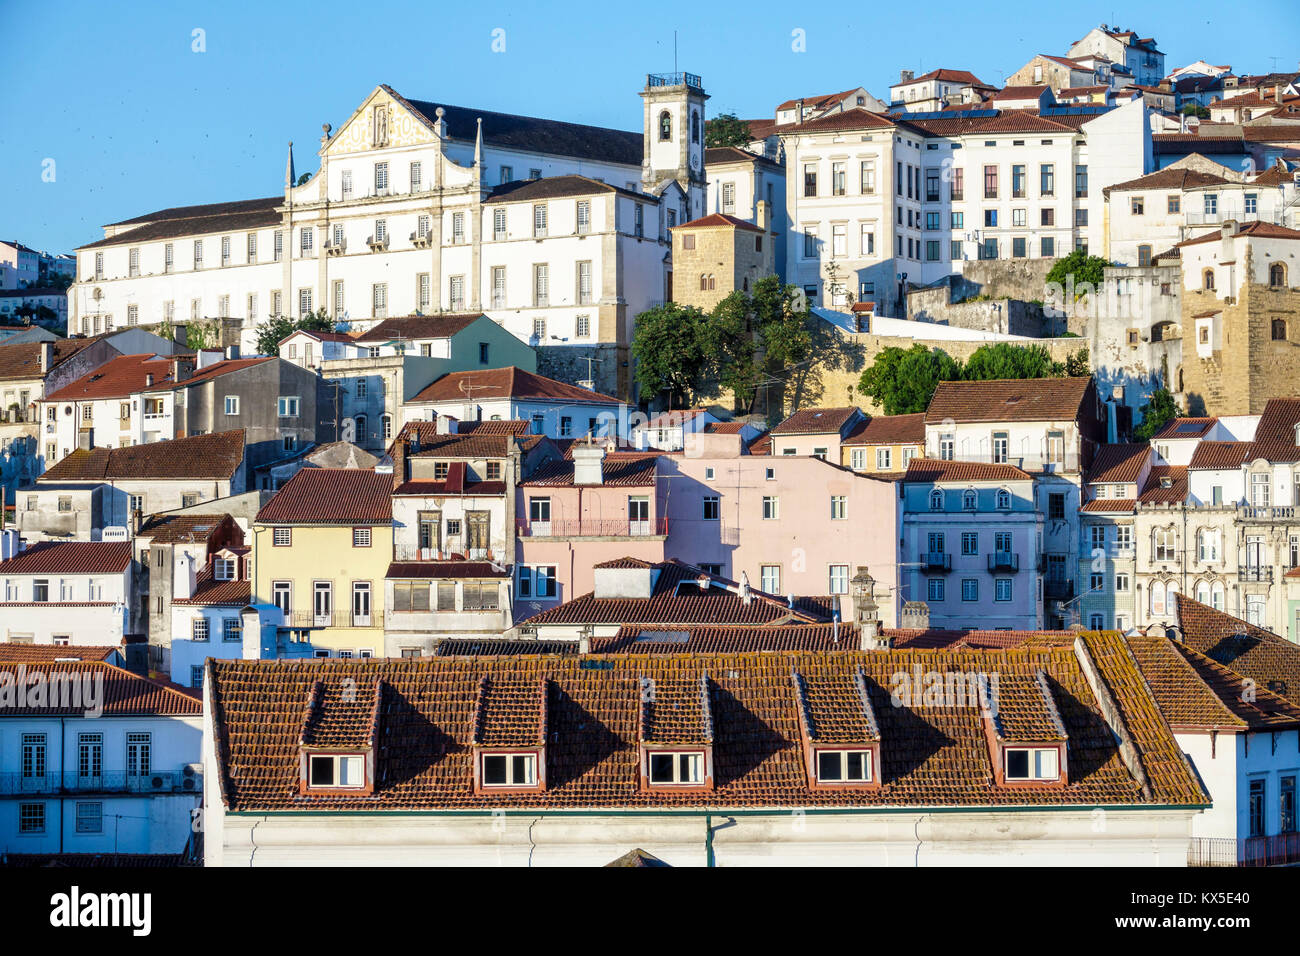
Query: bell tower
{"points": [[674, 136]]}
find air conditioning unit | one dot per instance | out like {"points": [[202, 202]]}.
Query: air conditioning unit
{"points": [[421, 241], [152, 783], [192, 777]]}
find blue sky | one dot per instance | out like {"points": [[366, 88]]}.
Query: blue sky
{"points": [[135, 120]]}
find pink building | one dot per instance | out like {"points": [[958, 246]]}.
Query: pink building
{"points": [[791, 524], [571, 515]]}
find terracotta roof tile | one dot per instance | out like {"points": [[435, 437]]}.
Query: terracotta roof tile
{"points": [[412, 327], [888, 430], [1214, 455], [934, 469], [1271, 661], [19, 653], [1166, 484], [124, 693], [1119, 463], [1103, 505], [446, 569], [935, 756], [1186, 428], [619, 469], [1009, 400], [70, 557], [818, 421], [509, 382], [117, 378], [1254, 230], [23, 361], [338, 496], [718, 219], [216, 456]]}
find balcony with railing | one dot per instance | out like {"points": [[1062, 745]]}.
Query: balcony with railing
{"points": [[1282, 849], [1265, 513], [307, 619], [1058, 590], [592, 528], [1256, 573], [411, 552], [165, 781], [936, 561], [1004, 561]]}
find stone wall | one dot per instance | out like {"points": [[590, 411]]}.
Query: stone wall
{"points": [[1023, 279], [568, 363], [1013, 316]]}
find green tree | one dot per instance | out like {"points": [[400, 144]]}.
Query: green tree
{"points": [[271, 332], [729, 338], [725, 130], [902, 381], [671, 348], [1004, 360], [1195, 109], [1078, 364], [1156, 413], [303, 178], [1088, 272]]}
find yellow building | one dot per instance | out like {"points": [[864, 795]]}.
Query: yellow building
{"points": [[321, 548], [885, 444], [716, 255]]}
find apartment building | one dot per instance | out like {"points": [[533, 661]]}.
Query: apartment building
{"points": [[75, 592]]}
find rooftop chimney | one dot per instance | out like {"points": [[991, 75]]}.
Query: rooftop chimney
{"points": [[46, 351], [866, 613], [588, 464], [916, 614], [746, 596], [905, 76], [148, 379], [181, 369]]}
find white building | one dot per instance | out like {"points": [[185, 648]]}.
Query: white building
{"points": [[74, 592], [1137, 55], [580, 770], [111, 765], [426, 207]]}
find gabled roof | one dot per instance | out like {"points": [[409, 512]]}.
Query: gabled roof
{"points": [[1214, 455], [336, 496], [931, 756], [1009, 400], [888, 430], [717, 219], [934, 469], [1119, 463], [413, 327], [119, 377], [216, 456], [856, 118], [619, 469], [124, 693], [948, 76], [1254, 230], [502, 383], [558, 187], [70, 557], [19, 653], [1165, 485], [473, 445], [724, 155], [1278, 421], [1269, 660], [511, 131], [818, 102], [817, 421], [210, 592], [170, 528], [1170, 178], [209, 372], [180, 221], [1193, 427], [23, 360], [1031, 92]]}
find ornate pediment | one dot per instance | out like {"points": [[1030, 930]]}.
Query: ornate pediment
{"points": [[381, 122]]}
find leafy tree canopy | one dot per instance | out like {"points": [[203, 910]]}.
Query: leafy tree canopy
{"points": [[672, 349], [726, 130], [271, 332], [1083, 267], [1156, 413], [902, 381]]}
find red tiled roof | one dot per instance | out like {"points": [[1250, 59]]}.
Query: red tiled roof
{"points": [[951, 76], [508, 382], [1109, 504], [1154, 491], [718, 219], [23, 361], [1279, 419], [216, 456], [1186, 428], [1214, 455], [507, 426], [410, 327], [817, 421], [1009, 400], [473, 445], [1255, 230], [1173, 179], [18, 653], [117, 378], [452, 487], [70, 557], [889, 430], [1031, 92], [724, 428], [339, 496], [1269, 660], [745, 705], [1119, 463], [856, 118], [212, 371], [620, 469], [161, 528], [820, 101], [209, 592], [934, 469], [124, 693]]}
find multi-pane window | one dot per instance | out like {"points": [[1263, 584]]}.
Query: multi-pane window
{"points": [[90, 817], [868, 177], [379, 299], [139, 747], [970, 542], [199, 629], [839, 579], [584, 283], [584, 216], [278, 246], [498, 224], [457, 228], [934, 589], [1002, 589], [539, 221], [31, 818], [198, 253], [417, 177], [33, 755], [1047, 179], [838, 179], [970, 589], [583, 327], [541, 293], [810, 179], [770, 578], [498, 287], [990, 182], [90, 755], [771, 507], [456, 293], [381, 177], [839, 507]]}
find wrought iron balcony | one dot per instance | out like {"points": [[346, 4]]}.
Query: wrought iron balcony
{"points": [[936, 561], [1278, 850], [674, 79], [1004, 561], [1256, 573], [592, 528]]}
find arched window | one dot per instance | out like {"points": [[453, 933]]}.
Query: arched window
{"points": [[695, 126], [936, 500], [1279, 330], [1203, 592], [704, 282], [1157, 598], [713, 284], [1207, 280], [1277, 275], [665, 125], [968, 500], [1004, 500], [1216, 596], [360, 429]]}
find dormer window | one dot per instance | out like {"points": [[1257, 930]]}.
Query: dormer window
{"points": [[1032, 763], [1004, 499], [936, 500], [223, 569], [509, 769], [336, 771], [844, 766], [685, 768], [968, 500]]}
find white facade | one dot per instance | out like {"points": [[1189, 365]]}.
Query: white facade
{"points": [[65, 607]]}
